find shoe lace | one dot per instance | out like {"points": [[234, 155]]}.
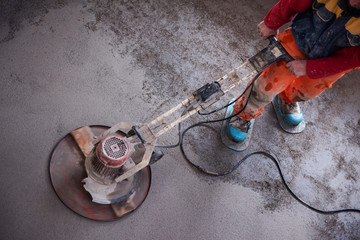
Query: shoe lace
{"points": [[239, 123], [289, 108]]}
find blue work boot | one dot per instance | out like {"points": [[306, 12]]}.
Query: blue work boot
{"points": [[237, 129], [236, 132], [289, 112]]}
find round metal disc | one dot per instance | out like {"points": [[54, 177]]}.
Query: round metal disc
{"points": [[67, 172]]}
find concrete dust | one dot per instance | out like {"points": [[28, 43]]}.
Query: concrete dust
{"points": [[65, 64]]}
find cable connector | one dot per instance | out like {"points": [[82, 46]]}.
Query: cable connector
{"points": [[208, 94]]}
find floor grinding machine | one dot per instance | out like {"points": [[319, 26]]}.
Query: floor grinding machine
{"points": [[103, 173]]}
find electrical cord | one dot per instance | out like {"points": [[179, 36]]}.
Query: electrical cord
{"points": [[242, 160], [181, 135], [250, 86], [277, 164]]}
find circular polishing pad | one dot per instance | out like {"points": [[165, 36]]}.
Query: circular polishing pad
{"points": [[67, 172]]}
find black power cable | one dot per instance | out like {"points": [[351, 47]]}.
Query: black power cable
{"points": [[266, 154], [277, 164], [250, 86]]}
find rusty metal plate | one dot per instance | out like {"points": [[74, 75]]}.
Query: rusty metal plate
{"points": [[67, 172]]}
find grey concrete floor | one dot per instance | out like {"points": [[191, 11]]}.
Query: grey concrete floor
{"points": [[65, 64]]}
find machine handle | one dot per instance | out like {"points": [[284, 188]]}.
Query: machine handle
{"points": [[286, 56], [272, 53], [272, 39]]}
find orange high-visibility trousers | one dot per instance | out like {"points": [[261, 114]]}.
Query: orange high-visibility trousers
{"points": [[277, 79]]}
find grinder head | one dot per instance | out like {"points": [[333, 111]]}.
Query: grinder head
{"points": [[113, 151]]}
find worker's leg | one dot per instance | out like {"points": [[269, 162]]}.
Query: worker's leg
{"points": [[272, 81], [302, 88], [277, 80], [305, 88]]}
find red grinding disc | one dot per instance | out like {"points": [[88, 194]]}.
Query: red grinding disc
{"points": [[67, 171]]}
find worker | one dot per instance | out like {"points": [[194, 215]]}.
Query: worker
{"points": [[324, 40]]}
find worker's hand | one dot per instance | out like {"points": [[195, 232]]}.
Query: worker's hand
{"points": [[297, 67], [265, 31]]}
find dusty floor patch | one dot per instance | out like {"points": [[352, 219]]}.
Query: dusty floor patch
{"points": [[132, 60]]}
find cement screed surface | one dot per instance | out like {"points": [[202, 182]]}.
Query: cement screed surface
{"points": [[65, 64]]}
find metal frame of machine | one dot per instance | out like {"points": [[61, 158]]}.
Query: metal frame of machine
{"points": [[142, 139]]}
